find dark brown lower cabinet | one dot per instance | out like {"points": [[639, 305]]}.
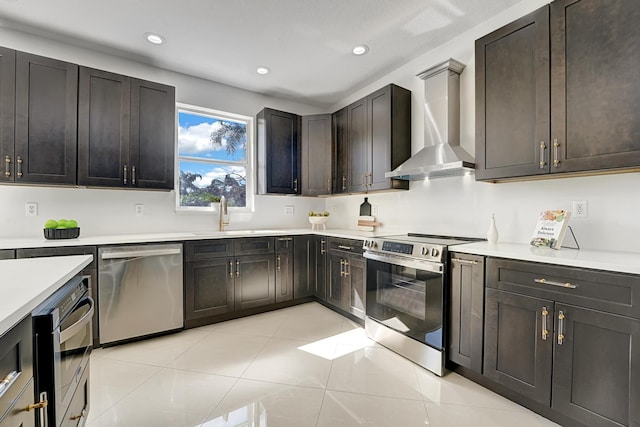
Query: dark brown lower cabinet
{"points": [[346, 276], [254, 282], [467, 311], [284, 276], [304, 266], [208, 288], [320, 288], [568, 338]]}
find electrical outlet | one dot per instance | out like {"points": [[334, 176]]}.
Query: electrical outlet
{"points": [[374, 210], [288, 210], [579, 209], [31, 209], [139, 210]]}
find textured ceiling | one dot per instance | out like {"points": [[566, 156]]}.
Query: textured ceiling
{"points": [[306, 43]]}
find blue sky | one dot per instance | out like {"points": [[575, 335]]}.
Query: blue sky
{"points": [[193, 138]]}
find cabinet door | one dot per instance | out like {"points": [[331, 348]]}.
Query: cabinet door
{"points": [[356, 290], [16, 357], [467, 311], [103, 128], [19, 415], [359, 146], [304, 266], [320, 289], [512, 99], [151, 156], [316, 155], [46, 136], [336, 294], [7, 112], [208, 288], [379, 118], [517, 351], [339, 125], [278, 152], [596, 379], [284, 276], [254, 281], [595, 57]]}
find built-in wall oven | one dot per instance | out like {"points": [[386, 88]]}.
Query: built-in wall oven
{"points": [[406, 296], [62, 346]]}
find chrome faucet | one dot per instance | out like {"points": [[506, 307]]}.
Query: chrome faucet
{"points": [[223, 214]]}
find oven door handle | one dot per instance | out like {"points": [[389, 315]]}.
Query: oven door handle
{"points": [[434, 267], [73, 329]]}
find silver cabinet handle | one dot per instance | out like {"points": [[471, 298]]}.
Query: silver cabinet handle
{"points": [[554, 283], [542, 149], [346, 248], [344, 183], [124, 174], [19, 162], [322, 249], [133, 175], [278, 263], [237, 268], [140, 253], [464, 261], [7, 166], [364, 180], [556, 156], [285, 239], [560, 327], [347, 269], [230, 268], [545, 329], [370, 179], [295, 185], [341, 268], [329, 185]]}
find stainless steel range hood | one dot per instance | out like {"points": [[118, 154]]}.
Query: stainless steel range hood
{"points": [[442, 155]]}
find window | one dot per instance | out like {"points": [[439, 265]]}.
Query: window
{"points": [[214, 159]]}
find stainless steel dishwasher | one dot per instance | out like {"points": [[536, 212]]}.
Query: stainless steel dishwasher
{"points": [[139, 291]]}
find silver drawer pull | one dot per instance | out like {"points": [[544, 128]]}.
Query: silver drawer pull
{"points": [[346, 248], [561, 336], [545, 330], [7, 166], [285, 239], [554, 283], [464, 261], [542, 148]]}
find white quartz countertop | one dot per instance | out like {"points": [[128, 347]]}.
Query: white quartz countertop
{"points": [[623, 262], [41, 242], [26, 283]]}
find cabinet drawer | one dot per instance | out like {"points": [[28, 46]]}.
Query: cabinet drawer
{"points": [[60, 251], [610, 292], [284, 244], [254, 246], [206, 249], [345, 245], [16, 360]]}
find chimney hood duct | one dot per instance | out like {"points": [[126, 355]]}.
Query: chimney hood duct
{"points": [[442, 155]]}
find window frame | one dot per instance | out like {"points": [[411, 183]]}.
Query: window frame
{"points": [[249, 164]]}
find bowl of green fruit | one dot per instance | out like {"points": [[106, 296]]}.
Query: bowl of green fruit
{"points": [[318, 219], [61, 229]]}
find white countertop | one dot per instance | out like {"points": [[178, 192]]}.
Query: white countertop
{"points": [[28, 282], [41, 242], [623, 262]]}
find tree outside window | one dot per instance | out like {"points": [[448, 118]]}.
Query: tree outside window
{"points": [[213, 158]]}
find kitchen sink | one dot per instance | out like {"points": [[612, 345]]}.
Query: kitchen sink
{"points": [[236, 232]]}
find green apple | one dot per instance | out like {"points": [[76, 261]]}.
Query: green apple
{"points": [[72, 223], [52, 223]]}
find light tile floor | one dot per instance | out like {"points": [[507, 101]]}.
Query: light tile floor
{"points": [[300, 366]]}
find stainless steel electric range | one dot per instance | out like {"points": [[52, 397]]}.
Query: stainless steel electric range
{"points": [[407, 294]]}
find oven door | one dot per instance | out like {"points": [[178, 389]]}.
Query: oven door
{"points": [[407, 296], [73, 347]]}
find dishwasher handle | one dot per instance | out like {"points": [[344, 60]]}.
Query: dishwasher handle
{"points": [[140, 253]]}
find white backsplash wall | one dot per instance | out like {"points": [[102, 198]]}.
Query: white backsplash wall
{"points": [[460, 206], [108, 212]]}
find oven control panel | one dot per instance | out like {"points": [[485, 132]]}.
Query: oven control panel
{"points": [[425, 251]]}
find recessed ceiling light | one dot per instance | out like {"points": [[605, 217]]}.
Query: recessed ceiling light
{"points": [[154, 38], [263, 70], [360, 49]]}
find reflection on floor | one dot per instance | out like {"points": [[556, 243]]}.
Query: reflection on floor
{"points": [[300, 366]]}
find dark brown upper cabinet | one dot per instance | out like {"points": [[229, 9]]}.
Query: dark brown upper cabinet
{"points": [[278, 152], [125, 132], [378, 139], [556, 92], [316, 155], [339, 133], [38, 119]]}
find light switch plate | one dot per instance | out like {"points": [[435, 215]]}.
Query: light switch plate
{"points": [[139, 210], [288, 210]]}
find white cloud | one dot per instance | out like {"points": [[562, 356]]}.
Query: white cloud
{"points": [[195, 139], [218, 173]]}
